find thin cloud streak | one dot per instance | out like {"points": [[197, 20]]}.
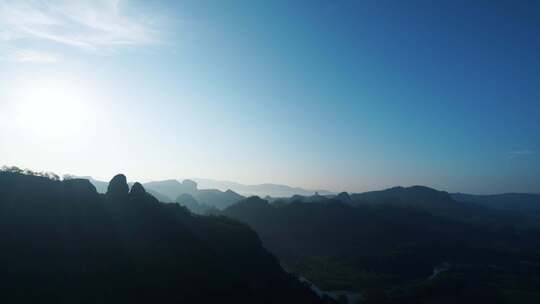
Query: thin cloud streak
{"points": [[518, 153], [28, 55], [101, 26]]}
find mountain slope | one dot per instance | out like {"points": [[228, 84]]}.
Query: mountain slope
{"points": [[518, 202]]}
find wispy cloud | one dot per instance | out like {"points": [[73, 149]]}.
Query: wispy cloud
{"points": [[28, 55], [518, 153], [101, 26]]}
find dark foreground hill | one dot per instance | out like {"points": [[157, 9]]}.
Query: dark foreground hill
{"points": [[405, 252], [62, 242]]}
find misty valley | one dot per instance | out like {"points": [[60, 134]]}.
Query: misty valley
{"points": [[87, 241]]}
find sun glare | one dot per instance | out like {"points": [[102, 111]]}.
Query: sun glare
{"points": [[53, 109]]}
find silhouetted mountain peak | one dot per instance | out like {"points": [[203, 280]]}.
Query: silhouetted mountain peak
{"points": [[296, 198], [424, 189], [252, 204], [344, 197], [253, 200], [137, 189], [189, 186], [118, 186], [413, 193]]}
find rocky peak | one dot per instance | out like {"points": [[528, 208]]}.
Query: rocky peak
{"points": [[137, 190], [189, 186], [344, 197], [118, 186]]}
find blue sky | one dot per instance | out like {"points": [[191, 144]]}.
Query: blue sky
{"points": [[343, 95]]}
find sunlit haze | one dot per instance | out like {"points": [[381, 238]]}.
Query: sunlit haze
{"points": [[337, 95]]}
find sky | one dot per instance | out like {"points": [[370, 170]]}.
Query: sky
{"points": [[338, 95]]}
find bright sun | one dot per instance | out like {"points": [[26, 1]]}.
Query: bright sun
{"points": [[52, 109]]}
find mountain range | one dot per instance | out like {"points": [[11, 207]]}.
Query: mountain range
{"points": [[169, 191], [210, 190], [84, 240], [171, 188], [267, 189], [391, 245]]}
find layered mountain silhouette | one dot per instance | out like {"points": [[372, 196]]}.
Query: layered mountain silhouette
{"points": [[172, 190], [519, 208], [212, 194], [63, 242], [267, 189], [67, 242], [433, 201]]}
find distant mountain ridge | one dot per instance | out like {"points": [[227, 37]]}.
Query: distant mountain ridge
{"points": [[469, 208], [207, 191], [518, 202], [266, 189], [171, 190]]}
